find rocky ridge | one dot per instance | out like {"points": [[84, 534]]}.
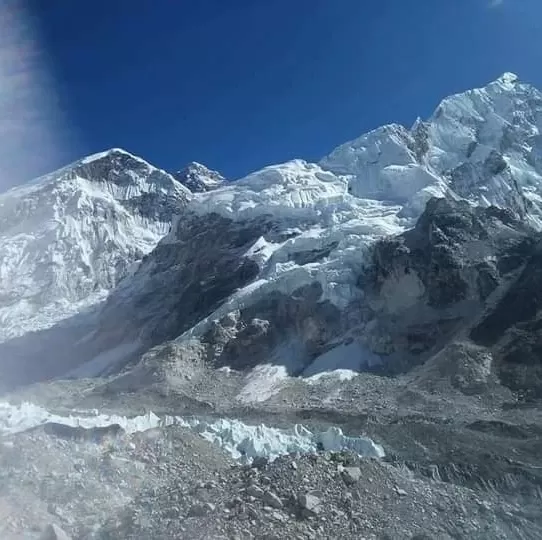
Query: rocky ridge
{"points": [[198, 178]]}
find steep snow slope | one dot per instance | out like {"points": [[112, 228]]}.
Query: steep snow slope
{"points": [[198, 178], [67, 238], [483, 145]]}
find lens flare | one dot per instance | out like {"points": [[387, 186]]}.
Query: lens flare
{"points": [[31, 123]]}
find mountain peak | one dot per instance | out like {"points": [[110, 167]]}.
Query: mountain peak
{"points": [[110, 154], [508, 78], [198, 178]]}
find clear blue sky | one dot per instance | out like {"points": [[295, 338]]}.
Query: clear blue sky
{"points": [[239, 84]]}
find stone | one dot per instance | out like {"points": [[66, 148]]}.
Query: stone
{"points": [[201, 509], [310, 503], [255, 491], [272, 500], [351, 475], [252, 513], [260, 462]]}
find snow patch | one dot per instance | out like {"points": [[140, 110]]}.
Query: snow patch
{"points": [[265, 381], [343, 362]]}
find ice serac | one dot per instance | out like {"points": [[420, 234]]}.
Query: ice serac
{"points": [[198, 178], [274, 252], [68, 238]]}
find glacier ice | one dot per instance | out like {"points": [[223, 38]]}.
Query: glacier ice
{"points": [[482, 145], [67, 238], [243, 441]]}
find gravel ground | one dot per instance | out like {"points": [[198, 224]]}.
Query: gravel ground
{"points": [[456, 466]]}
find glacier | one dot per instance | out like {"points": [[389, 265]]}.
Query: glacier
{"points": [[242, 441]]}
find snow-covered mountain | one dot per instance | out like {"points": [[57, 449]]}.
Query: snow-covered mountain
{"points": [[198, 178], [68, 238], [279, 254], [270, 269]]}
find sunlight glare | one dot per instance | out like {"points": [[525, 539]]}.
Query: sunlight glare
{"points": [[30, 116]]}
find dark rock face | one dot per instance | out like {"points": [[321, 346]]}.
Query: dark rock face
{"points": [[429, 282], [462, 266], [184, 279], [513, 330], [472, 180], [299, 322]]}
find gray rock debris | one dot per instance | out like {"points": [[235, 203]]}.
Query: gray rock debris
{"points": [[255, 491], [201, 509]]}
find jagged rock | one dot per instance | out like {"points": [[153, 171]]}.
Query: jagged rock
{"points": [[351, 475], [310, 503], [513, 329], [425, 284], [198, 178]]}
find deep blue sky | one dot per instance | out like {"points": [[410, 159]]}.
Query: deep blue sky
{"points": [[239, 84]]}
